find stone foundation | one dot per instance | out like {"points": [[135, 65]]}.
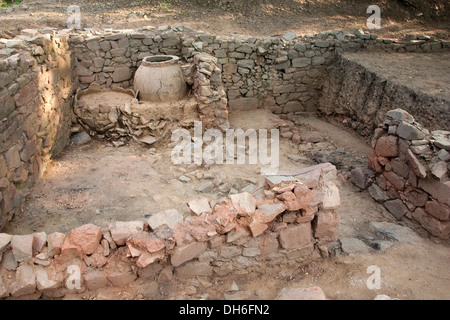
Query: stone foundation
{"points": [[35, 115], [409, 172], [289, 223]]}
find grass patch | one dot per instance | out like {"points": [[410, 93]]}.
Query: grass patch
{"points": [[8, 3]]}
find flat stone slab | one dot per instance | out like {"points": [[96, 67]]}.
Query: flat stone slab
{"points": [[394, 232], [274, 180], [353, 245], [169, 217]]}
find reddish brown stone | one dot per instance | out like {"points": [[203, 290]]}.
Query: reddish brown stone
{"points": [[325, 224], [26, 94], [373, 162], [387, 146], [143, 241], [415, 165], [400, 167], [287, 196], [434, 226], [438, 210], [417, 198], [257, 228], [438, 190], [397, 181], [55, 242], [86, 238]]}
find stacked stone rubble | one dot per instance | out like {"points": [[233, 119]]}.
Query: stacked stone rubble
{"points": [[289, 223], [409, 172], [284, 73], [35, 113]]}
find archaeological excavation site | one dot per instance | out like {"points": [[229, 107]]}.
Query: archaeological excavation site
{"points": [[168, 163]]}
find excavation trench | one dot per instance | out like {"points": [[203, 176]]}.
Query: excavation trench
{"points": [[89, 178]]}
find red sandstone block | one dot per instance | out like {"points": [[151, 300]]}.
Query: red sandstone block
{"points": [[325, 224], [387, 146], [397, 181], [438, 210]]}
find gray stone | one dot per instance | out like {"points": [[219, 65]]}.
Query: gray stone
{"points": [[22, 247], [121, 74], [322, 44], [246, 63], [438, 190], [195, 268], [244, 202], [251, 252], [5, 239], [409, 132], [43, 282], [301, 62], [331, 199], [274, 180], [394, 232], [300, 47], [181, 255], [271, 211], [243, 104], [207, 187], [168, 217], [184, 178], [444, 155], [377, 193], [396, 207], [199, 206], [318, 61], [289, 36], [361, 177], [353, 245], [148, 140], [400, 115], [81, 138], [442, 143], [122, 230], [439, 170], [9, 262], [25, 282]]}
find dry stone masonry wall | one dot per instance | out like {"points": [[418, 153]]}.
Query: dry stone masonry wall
{"points": [[361, 98], [284, 73], [290, 222], [35, 112], [409, 172]]}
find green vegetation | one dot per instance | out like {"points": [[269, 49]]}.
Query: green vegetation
{"points": [[166, 5], [8, 3]]}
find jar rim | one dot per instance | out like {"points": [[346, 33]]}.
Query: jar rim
{"points": [[159, 60]]}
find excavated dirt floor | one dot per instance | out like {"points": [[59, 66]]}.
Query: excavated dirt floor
{"points": [[99, 183]]}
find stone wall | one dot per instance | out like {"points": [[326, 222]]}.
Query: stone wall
{"points": [[289, 223], [362, 97], [35, 113], [409, 172], [284, 73]]}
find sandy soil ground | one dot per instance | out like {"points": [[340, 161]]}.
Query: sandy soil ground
{"points": [[222, 17], [98, 183]]}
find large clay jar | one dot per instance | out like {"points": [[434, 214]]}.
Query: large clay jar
{"points": [[160, 79]]}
